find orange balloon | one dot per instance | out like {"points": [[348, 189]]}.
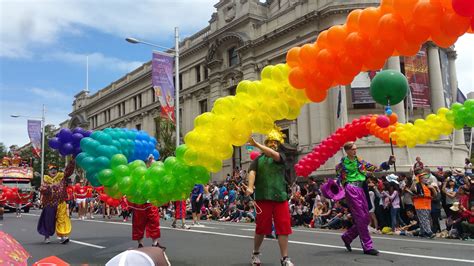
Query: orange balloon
{"points": [[415, 33], [427, 14], [446, 4], [308, 54], [404, 8], [325, 60], [357, 44], [386, 6], [297, 78], [321, 81], [380, 48], [390, 27], [352, 22], [407, 48], [393, 119], [454, 25], [368, 20], [373, 63], [344, 79], [322, 40], [316, 95], [442, 40], [336, 36], [293, 57], [349, 67]]}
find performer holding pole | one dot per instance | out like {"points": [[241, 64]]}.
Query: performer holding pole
{"points": [[54, 216], [351, 172], [267, 173]]}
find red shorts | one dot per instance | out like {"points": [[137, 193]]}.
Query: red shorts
{"points": [[275, 211], [146, 217], [180, 209]]}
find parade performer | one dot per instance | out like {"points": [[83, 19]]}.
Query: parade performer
{"points": [[351, 172], [146, 217], [180, 214], [267, 173], [54, 217]]}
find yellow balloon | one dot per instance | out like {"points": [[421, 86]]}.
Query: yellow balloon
{"points": [[442, 111], [267, 72], [243, 86]]}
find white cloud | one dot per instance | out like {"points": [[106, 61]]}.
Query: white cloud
{"points": [[96, 60], [465, 63], [30, 23]]}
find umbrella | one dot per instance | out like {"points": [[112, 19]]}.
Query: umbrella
{"points": [[11, 252], [51, 261]]}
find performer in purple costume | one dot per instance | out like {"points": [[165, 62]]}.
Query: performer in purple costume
{"points": [[351, 172]]}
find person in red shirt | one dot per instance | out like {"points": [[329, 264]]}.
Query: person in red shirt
{"points": [[80, 194], [125, 208], [70, 200], [180, 213], [90, 200], [468, 225]]}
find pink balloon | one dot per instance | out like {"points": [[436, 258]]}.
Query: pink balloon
{"points": [[254, 154], [382, 121]]}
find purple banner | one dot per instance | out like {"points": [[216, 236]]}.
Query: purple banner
{"points": [[162, 82], [34, 132]]}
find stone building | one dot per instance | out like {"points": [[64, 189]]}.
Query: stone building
{"points": [[242, 37]]}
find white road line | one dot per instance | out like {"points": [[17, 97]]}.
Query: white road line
{"points": [[251, 228], [86, 244]]}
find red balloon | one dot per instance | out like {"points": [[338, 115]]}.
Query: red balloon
{"points": [[254, 154], [464, 8], [110, 201]]}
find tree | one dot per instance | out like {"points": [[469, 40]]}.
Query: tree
{"points": [[164, 133], [3, 150]]}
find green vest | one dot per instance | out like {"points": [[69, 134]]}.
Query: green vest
{"points": [[270, 183]]}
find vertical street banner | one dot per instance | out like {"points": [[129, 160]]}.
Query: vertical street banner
{"points": [[34, 132], [162, 82], [416, 71], [444, 62]]}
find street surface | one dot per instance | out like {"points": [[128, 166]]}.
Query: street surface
{"points": [[94, 242]]}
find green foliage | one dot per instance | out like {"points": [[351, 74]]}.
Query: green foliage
{"points": [[165, 131]]}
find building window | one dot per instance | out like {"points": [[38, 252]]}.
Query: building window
{"points": [[135, 103], [203, 106], [206, 73], [180, 82], [153, 95], [233, 57], [123, 108], [233, 90], [364, 106], [198, 73], [139, 96], [138, 126], [286, 131], [108, 115], [180, 123], [119, 109]]}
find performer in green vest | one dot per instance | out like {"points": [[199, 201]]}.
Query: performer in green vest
{"points": [[267, 173]]}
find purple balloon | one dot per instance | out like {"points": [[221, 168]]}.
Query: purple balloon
{"points": [[77, 150], [76, 138], [65, 135], [54, 143], [79, 130], [87, 133], [66, 149]]}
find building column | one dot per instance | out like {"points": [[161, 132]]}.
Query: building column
{"points": [[436, 82], [393, 63], [452, 55]]}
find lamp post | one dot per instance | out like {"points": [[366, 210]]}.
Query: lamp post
{"points": [[42, 137], [175, 54]]}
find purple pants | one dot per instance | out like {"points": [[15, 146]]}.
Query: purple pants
{"points": [[357, 201], [47, 221]]}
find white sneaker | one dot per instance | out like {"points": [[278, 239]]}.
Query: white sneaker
{"points": [[46, 240], [286, 262], [256, 259], [92, 217], [184, 226]]}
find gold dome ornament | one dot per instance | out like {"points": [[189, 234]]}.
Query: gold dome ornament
{"points": [[276, 134]]}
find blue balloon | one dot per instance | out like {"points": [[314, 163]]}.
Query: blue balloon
{"points": [[54, 143], [65, 135], [388, 111], [156, 154], [76, 138], [87, 133]]}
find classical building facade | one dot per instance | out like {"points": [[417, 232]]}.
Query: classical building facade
{"points": [[242, 37]]}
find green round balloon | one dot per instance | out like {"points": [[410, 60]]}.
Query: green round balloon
{"points": [[121, 170], [106, 177], [389, 87], [118, 159], [180, 151], [135, 164], [139, 172]]}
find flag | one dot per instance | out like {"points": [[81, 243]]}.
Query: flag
{"points": [[162, 82], [34, 132]]}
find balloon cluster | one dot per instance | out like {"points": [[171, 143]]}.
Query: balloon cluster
{"points": [[461, 114], [329, 146], [67, 142], [109, 200], [102, 145], [161, 182], [254, 109], [8, 193], [370, 36]]}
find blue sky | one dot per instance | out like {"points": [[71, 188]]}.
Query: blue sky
{"points": [[44, 45]]}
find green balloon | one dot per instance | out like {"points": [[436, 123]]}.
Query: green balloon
{"points": [[139, 172], [170, 163], [125, 184], [389, 87], [113, 191], [155, 172], [121, 171], [106, 177], [135, 164], [137, 199], [157, 163], [180, 170], [456, 106], [118, 159], [180, 151], [200, 174]]}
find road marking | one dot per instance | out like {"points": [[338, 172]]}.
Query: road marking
{"points": [[86, 244]]}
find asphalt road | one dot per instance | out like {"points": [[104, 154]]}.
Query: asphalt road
{"points": [[94, 242]]}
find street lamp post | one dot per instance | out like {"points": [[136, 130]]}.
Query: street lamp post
{"points": [[42, 137], [175, 54]]}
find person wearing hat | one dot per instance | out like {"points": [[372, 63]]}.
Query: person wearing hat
{"points": [[458, 177], [54, 216], [454, 221], [267, 173], [423, 193], [352, 173]]}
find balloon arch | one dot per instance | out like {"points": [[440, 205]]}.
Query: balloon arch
{"points": [[364, 42]]}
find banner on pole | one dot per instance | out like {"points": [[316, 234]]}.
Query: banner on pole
{"points": [[34, 132], [162, 82], [416, 71]]}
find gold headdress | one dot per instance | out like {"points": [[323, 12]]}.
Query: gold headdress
{"points": [[276, 134]]}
